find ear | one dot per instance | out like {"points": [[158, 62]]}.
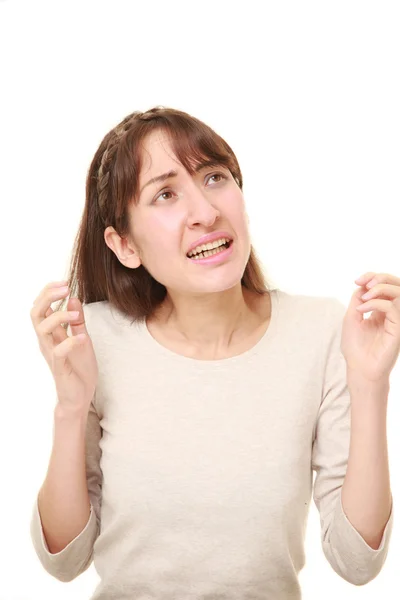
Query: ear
{"points": [[126, 253]]}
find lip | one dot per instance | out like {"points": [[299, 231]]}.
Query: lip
{"points": [[210, 237], [215, 258]]}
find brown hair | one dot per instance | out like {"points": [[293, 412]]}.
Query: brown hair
{"points": [[112, 183]]}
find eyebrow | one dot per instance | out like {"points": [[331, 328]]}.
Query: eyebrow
{"points": [[172, 173]]}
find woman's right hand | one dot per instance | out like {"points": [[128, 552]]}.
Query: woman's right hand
{"points": [[71, 359]]}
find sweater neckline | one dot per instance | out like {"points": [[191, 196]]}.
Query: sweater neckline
{"points": [[160, 349]]}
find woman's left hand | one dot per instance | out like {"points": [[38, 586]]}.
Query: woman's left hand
{"points": [[371, 346]]}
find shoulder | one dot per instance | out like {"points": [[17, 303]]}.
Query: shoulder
{"points": [[95, 313], [324, 309], [103, 318]]}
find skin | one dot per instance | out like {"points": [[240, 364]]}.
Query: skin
{"points": [[206, 312]]}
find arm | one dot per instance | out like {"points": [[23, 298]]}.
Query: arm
{"points": [[366, 494], [344, 547], [66, 515], [63, 499]]}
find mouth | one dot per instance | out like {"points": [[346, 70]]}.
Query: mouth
{"points": [[214, 255]]}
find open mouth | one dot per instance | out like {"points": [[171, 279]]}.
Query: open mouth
{"points": [[212, 252]]}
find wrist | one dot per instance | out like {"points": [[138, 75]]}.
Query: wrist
{"points": [[361, 383], [70, 413]]}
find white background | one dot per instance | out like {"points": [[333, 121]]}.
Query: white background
{"points": [[306, 93]]}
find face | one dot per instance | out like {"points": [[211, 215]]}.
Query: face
{"points": [[173, 214]]}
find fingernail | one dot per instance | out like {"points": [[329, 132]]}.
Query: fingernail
{"points": [[371, 283]]}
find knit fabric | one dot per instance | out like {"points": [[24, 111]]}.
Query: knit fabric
{"points": [[200, 472]]}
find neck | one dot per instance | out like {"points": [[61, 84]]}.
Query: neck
{"points": [[215, 321]]}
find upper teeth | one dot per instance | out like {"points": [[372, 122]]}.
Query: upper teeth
{"points": [[210, 246]]}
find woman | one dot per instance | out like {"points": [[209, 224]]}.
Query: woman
{"points": [[193, 411]]}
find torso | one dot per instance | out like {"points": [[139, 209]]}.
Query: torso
{"points": [[257, 331]]}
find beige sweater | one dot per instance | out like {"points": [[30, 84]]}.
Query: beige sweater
{"points": [[200, 472]]}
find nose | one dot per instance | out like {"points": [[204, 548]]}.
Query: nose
{"points": [[200, 209]]}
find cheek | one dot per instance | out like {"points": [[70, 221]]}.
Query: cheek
{"points": [[166, 235], [238, 216], [169, 225]]}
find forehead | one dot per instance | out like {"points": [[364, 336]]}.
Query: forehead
{"points": [[157, 150]]}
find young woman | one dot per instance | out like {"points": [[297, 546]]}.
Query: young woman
{"points": [[195, 407]]}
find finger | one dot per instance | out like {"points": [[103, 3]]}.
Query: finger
{"points": [[53, 320], [62, 351], [389, 291], [363, 280], [41, 308], [78, 325], [387, 278], [49, 286], [43, 302], [59, 333], [384, 307], [47, 296], [376, 278]]}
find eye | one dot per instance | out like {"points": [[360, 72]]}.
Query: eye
{"points": [[162, 194], [218, 175], [167, 191]]}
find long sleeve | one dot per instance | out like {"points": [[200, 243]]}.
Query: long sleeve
{"points": [[344, 548], [77, 556]]}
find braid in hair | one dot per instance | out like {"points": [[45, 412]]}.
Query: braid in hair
{"points": [[103, 173]]}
